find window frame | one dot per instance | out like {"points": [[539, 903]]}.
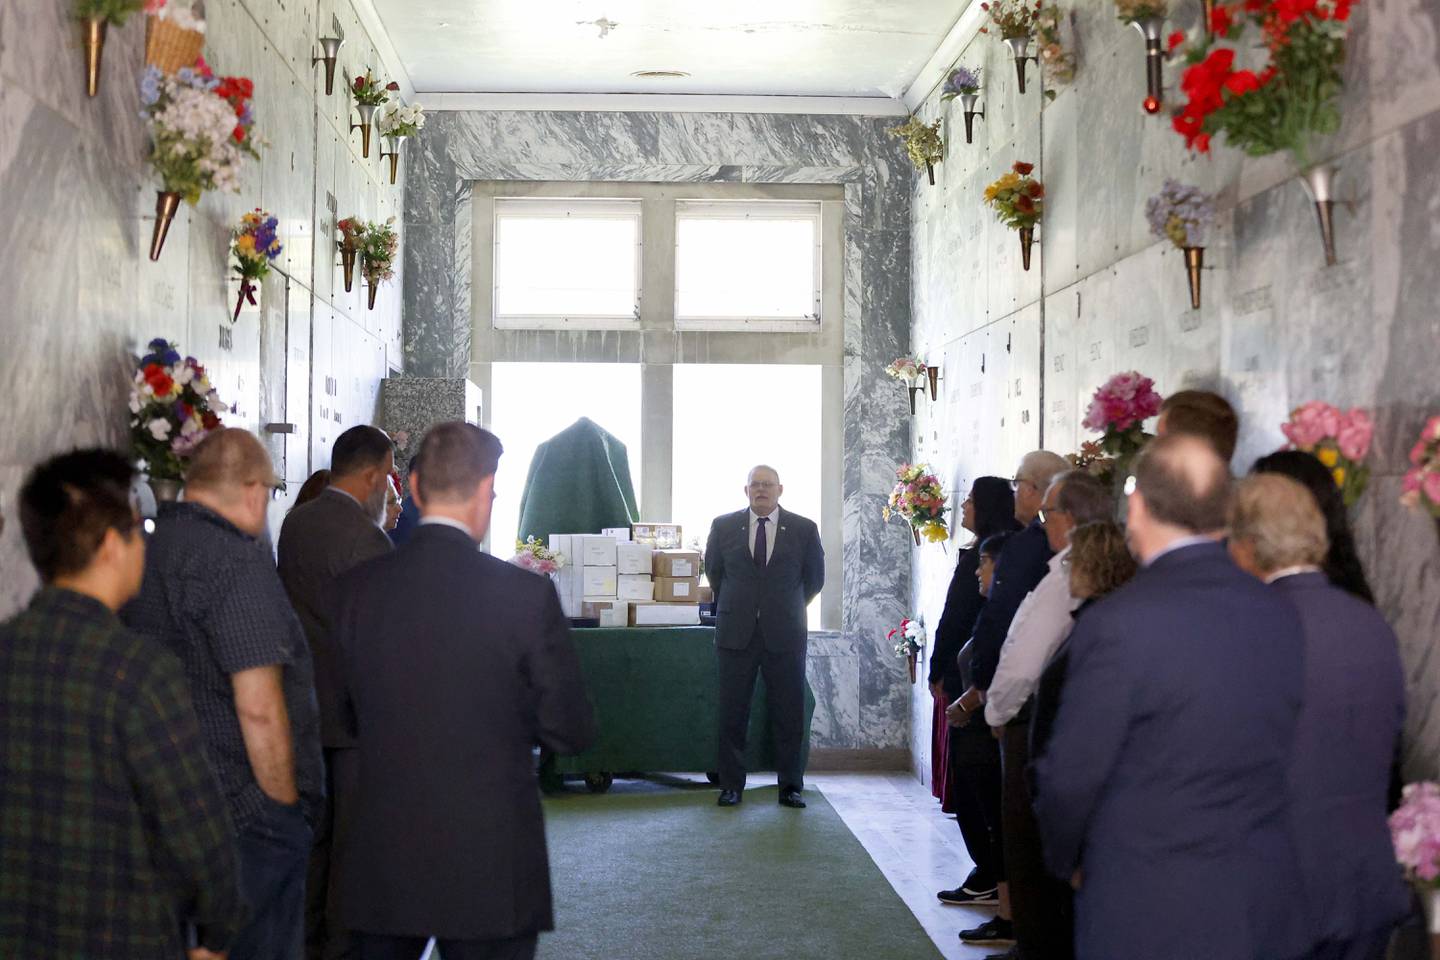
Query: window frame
{"points": [[563, 208], [810, 211]]}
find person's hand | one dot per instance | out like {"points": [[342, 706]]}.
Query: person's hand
{"points": [[957, 715], [997, 733], [1077, 878], [200, 953]]}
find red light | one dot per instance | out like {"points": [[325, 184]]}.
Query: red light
{"points": [[1152, 105]]}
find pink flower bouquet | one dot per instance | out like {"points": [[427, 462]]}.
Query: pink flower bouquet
{"points": [[1339, 439], [535, 556], [918, 500], [907, 370], [1422, 481], [1118, 411], [1415, 831]]}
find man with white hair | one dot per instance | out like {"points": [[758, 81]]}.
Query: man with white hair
{"points": [[765, 565]]}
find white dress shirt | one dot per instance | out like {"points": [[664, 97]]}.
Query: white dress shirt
{"points": [[772, 529], [1041, 624]]}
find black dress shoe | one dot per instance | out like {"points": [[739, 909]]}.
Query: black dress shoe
{"points": [[791, 798], [996, 930], [728, 798]]}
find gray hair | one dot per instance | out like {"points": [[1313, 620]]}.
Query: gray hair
{"points": [[1085, 498], [758, 467], [1041, 467], [1279, 518]]}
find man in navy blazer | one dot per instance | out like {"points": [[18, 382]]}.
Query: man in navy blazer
{"points": [[1162, 794], [455, 666], [765, 565], [1350, 722]]}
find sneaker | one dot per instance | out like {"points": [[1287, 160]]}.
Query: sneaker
{"points": [[1012, 954], [968, 896], [996, 930]]}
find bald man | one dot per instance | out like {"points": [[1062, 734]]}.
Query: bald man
{"points": [[1163, 792], [765, 565], [212, 596]]}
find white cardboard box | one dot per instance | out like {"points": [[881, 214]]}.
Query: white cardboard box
{"points": [[610, 613], [561, 543], [570, 585], [633, 558], [599, 582], [618, 534], [629, 586], [595, 551], [664, 614]]}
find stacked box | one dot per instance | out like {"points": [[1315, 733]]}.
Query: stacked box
{"points": [[594, 551], [610, 613], [664, 614], [677, 589], [635, 587], [618, 534], [676, 564], [634, 558], [599, 583]]}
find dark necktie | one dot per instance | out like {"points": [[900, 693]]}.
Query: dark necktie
{"points": [[762, 545]]}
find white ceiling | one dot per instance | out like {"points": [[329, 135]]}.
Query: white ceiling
{"points": [[815, 48]]}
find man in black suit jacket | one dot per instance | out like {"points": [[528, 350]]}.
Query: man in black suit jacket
{"points": [[455, 666], [1162, 793], [320, 540], [765, 565]]}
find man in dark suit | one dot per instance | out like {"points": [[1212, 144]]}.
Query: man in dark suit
{"points": [[320, 540], [765, 565], [449, 689], [1350, 723], [1163, 792]]}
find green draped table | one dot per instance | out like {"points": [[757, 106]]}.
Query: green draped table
{"points": [[657, 703]]}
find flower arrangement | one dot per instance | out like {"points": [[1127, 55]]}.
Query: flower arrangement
{"points": [[1415, 831], [368, 92], [923, 143], [172, 408], [535, 556], [111, 11], [1117, 412], [1422, 481], [1291, 96], [1013, 19], [351, 229], [908, 370], [961, 82], [1057, 62], [1339, 439], [255, 246], [918, 500], [378, 244], [200, 128], [1181, 214], [912, 638], [174, 34], [1133, 11], [1017, 198], [403, 121], [1092, 459]]}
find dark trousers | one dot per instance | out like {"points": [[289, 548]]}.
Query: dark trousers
{"points": [[274, 849], [1041, 906], [975, 773], [372, 946], [325, 937], [1370, 946], [784, 674]]}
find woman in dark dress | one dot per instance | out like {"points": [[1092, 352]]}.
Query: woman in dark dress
{"points": [[987, 511], [1342, 563]]}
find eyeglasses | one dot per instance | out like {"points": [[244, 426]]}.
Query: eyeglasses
{"points": [[1050, 511], [1016, 481], [762, 485]]}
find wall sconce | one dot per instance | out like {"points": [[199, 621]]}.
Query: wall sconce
{"points": [[968, 101], [1153, 30], [329, 50], [934, 374], [1020, 46], [394, 143], [1319, 183], [367, 118]]}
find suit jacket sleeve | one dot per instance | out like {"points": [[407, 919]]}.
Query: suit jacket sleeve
{"points": [[1089, 730], [991, 627], [957, 620], [714, 560], [565, 720], [813, 572]]}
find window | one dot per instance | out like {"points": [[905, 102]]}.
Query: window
{"points": [[747, 263], [531, 402], [713, 456], [567, 263]]}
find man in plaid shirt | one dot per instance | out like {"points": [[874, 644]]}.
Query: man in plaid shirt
{"points": [[114, 841]]}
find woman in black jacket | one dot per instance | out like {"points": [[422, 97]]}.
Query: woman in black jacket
{"points": [[972, 751]]}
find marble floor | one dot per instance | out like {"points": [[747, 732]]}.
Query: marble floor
{"points": [[916, 847]]}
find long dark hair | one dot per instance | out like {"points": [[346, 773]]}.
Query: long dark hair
{"points": [[994, 504], [1342, 563]]}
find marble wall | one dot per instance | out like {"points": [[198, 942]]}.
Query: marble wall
{"points": [[860, 686], [1022, 352], [80, 294]]}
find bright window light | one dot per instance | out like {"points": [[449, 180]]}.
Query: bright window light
{"points": [[531, 402], [567, 263], [746, 261], [772, 416]]}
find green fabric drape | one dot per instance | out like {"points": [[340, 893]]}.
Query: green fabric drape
{"points": [[579, 482]]}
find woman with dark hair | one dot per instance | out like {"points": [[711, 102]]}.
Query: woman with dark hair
{"points": [[313, 486], [1342, 563], [970, 751]]}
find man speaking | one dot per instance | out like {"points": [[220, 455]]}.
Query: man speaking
{"points": [[765, 565]]}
